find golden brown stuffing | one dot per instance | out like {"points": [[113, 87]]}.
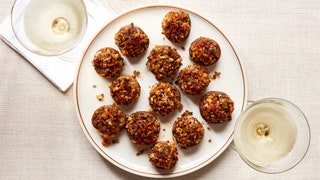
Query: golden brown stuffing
{"points": [[216, 107], [108, 63], [125, 89], [109, 120], [143, 128], [164, 98], [164, 62], [187, 130], [176, 26], [204, 51], [164, 155], [131, 40], [194, 79]]}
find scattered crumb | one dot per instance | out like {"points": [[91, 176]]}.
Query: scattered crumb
{"points": [[208, 128], [183, 48], [115, 141], [216, 75], [100, 97], [210, 140], [136, 73], [94, 86], [164, 129], [107, 142], [140, 152]]}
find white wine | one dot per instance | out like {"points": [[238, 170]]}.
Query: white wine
{"points": [[54, 26], [267, 133], [272, 135]]}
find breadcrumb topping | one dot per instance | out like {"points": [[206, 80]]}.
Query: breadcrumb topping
{"points": [[164, 155], [143, 128], [194, 79], [164, 98], [176, 26], [216, 107], [109, 120], [108, 63], [187, 130], [164, 62], [131, 40], [125, 89]]}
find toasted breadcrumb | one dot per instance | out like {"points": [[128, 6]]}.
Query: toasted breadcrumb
{"points": [[164, 155]]}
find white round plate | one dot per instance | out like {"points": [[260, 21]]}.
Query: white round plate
{"points": [[124, 154]]}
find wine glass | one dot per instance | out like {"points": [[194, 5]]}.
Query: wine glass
{"points": [[272, 135], [49, 27], [123, 5]]}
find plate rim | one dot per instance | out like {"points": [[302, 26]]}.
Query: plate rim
{"points": [[110, 159]]}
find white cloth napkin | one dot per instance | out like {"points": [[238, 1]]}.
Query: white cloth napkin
{"points": [[59, 70]]}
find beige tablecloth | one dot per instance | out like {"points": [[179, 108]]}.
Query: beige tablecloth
{"points": [[278, 43]]}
